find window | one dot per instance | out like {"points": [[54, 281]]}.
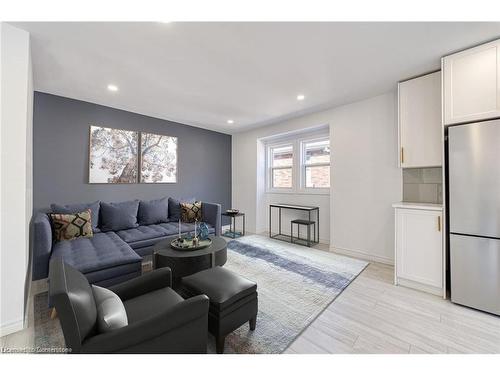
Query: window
{"points": [[281, 166], [299, 165], [315, 168]]}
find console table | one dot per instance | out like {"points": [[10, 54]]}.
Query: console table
{"points": [[281, 206]]}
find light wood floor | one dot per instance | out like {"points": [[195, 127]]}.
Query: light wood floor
{"points": [[373, 316]]}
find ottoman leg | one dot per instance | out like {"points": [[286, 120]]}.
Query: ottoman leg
{"points": [[219, 344], [252, 323]]}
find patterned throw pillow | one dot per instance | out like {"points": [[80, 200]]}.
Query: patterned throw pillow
{"points": [[71, 226], [191, 212]]}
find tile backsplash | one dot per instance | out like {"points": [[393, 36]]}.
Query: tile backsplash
{"points": [[423, 185]]}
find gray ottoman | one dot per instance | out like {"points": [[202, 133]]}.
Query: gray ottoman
{"points": [[233, 300]]}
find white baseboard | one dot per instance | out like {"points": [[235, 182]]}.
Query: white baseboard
{"points": [[265, 232], [419, 286], [362, 255], [11, 327]]}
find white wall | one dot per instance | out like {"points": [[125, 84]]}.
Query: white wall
{"points": [[367, 179], [365, 176], [15, 174], [249, 183]]}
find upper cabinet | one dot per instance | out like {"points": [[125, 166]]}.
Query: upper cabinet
{"points": [[420, 128], [471, 84]]}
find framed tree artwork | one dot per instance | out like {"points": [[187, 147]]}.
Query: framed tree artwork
{"points": [[158, 161], [113, 156]]}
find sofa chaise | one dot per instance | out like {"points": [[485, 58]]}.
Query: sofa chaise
{"points": [[112, 256]]}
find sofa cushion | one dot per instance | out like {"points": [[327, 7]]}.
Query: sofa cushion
{"points": [[118, 216], [172, 228], [153, 212], [114, 275], [66, 227], [104, 250], [189, 227], [79, 207], [151, 304], [111, 313], [174, 207], [145, 232], [145, 236]]}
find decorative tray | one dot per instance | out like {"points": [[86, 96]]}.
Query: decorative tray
{"points": [[187, 245]]}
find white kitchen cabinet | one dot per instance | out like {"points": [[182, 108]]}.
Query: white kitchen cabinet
{"points": [[471, 84], [419, 254], [420, 128]]}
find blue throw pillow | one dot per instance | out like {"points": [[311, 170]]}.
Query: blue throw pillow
{"points": [[80, 207], [153, 212], [174, 207], [119, 216]]}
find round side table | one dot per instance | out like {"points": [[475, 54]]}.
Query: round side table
{"points": [[187, 262]]}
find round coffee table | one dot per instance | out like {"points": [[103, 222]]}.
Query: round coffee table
{"points": [[187, 262]]}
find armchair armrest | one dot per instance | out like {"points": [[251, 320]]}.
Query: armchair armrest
{"points": [[211, 214], [176, 325], [157, 279], [42, 245]]}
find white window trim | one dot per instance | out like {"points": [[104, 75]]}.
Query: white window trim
{"points": [[298, 166], [269, 169], [303, 165]]}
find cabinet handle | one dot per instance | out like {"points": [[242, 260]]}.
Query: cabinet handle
{"points": [[439, 223], [402, 155]]}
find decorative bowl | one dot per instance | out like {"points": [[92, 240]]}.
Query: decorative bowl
{"points": [[187, 245], [232, 211]]}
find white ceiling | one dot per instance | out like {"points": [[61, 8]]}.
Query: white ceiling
{"points": [[203, 74]]}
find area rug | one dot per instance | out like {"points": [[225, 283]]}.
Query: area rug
{"points": [[295, 284]]}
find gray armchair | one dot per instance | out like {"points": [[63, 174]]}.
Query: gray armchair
{"points": [[159, 320]]}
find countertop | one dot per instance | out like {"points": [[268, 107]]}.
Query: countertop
{"points": [[418, 206]]}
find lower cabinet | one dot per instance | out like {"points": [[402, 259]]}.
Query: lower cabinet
{"points": [[419, 249]]}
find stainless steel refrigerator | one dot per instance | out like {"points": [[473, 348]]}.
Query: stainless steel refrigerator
{"points": [[474, 214]]}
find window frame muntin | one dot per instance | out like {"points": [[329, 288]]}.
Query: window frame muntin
{"points": [[270, 168], [303, 164]]}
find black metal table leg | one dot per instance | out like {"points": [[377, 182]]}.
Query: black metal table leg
{"points": [[243, 224], [270, 215], [309, 231], [280, 221], [317, 217]]}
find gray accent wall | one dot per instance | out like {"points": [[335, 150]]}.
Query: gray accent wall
{"points": [[61, 151]]}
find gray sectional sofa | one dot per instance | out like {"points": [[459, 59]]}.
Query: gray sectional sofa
{"points": [[121, 237]]}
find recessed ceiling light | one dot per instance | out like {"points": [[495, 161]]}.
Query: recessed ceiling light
{"points": [[112, 87], [301, 97], [230, 121]]}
